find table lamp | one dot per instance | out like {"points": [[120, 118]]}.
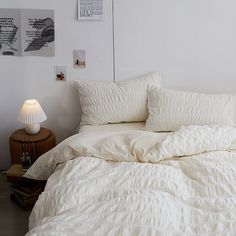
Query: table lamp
{"points": [[31, 114]]}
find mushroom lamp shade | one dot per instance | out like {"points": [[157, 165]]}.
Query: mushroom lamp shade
{"points": [[31, 114]]}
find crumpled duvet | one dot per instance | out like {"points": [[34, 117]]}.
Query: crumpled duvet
{"points": [[133, 183]]}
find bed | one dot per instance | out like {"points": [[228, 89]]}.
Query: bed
{"points": [[171, 171]]}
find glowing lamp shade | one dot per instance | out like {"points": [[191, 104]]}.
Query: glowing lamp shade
{"points": [[31, 114]]}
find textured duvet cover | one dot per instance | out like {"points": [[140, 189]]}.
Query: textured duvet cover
{"points": [[138, 183]]}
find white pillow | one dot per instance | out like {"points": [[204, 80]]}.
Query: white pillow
{"points": [[169, 109], [105, 102]]}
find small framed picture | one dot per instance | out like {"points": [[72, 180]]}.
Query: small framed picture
{"points": [[90, 9], [60, 73], [79, 60]]}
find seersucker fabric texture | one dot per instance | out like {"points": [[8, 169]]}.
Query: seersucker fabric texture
{"points": [[170, 109], [135, 146], [190, 195], [105, 102]]}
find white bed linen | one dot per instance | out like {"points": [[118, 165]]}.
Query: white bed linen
{"points": [[104, 102], [112, 127], [123, 127], [192, 195], [169, 109]]}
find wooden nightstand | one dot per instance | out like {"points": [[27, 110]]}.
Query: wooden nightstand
{"points": [[24, 191], [20, 142]]}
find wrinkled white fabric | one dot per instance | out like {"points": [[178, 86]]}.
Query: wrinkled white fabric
{"points": [[196, 139], [107, 145], [134, 146], [192, 195]]}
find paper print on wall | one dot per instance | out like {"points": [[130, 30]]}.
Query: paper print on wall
{"points": [[60, 73], [90, 9], [27, 32], [79, 60]]}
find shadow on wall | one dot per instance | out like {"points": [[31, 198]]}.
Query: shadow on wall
{"points": [[63, 113], [9, 125], [5, 152]]}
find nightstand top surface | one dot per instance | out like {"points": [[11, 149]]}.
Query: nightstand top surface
{"points": [[22, 136]]}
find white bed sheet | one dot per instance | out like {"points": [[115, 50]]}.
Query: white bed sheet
{"points": [[112, 127]]}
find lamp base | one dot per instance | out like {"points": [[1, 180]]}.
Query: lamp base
{"points": [[32, 128]]}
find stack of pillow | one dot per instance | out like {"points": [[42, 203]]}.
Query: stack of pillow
{"points": [[143, 99]]}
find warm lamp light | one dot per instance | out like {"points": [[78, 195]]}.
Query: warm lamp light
{"points": [[31, 114]]}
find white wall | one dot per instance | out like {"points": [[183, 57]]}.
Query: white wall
{"points": [[33, 77], [192, 43]]}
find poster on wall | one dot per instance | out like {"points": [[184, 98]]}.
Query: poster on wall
{"points": [[90, 9], [27, 32], [79, 60], [60, 72]]}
